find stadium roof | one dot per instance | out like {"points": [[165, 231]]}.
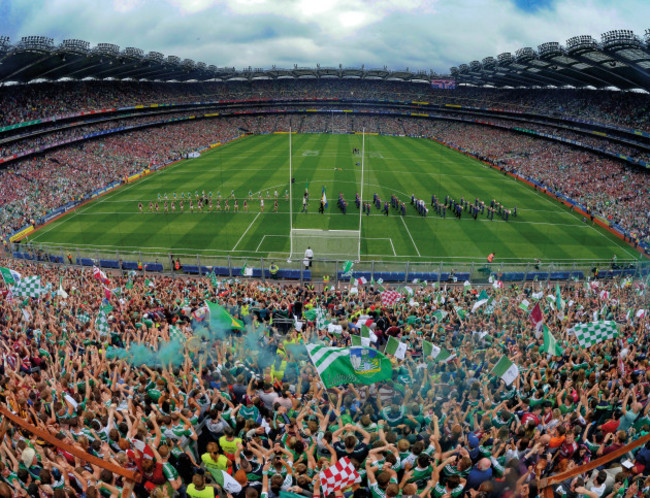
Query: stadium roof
{"points": [[37, 58], [620, 60]]}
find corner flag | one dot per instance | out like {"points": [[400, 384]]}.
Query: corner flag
{"points": [[324, 198]]}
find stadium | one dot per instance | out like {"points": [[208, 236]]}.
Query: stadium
{"points": [[215, 277]]}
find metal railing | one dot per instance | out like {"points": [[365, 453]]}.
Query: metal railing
{"points": [[394, 272]]}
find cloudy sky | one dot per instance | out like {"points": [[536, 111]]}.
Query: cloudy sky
{"points": [[418, 34]]}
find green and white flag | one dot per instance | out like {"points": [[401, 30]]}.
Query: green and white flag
{"points": [[61, 292], [176, 333], [365, 337], [396, 348], [148, 283], [592, 333], [317, 315], [219, 318], [355, 365], [83, 317], [347, 268], [479, 303], [11, 277], [246, 271], [429, 349], [506, 369], [462, 314], [29, 287], [550, 343], [439, 315], [523, 305], [101, 322], [559, 302]]}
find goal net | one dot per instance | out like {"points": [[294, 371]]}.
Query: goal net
{"points": [[328, 244]]}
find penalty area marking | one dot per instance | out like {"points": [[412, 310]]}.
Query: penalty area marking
{"points": [[249, 227], [411, 236], [364, 238]]}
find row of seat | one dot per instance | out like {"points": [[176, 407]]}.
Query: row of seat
{"points": [[293, 274], [400, 276], [224, 271]]}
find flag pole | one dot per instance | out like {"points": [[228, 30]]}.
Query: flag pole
{"points": [[363, 148], [290, 202]]}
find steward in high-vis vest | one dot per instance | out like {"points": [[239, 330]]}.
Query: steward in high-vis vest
{"points": [[274, 269]]}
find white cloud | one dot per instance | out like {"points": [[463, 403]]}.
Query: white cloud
{"points": [[419, 34]]}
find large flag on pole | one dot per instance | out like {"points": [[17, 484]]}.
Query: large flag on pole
{"points": [[592, 333], [355, 365], [11, 277], [550, 343], [536, 316], [396, 348], [347, 268], [506, 369], [100, 275], [29, 287], [429, 349], [323, 198], [220, 318], [365, 338]]}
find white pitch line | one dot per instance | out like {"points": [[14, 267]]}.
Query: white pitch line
{"points": [[391, 244], [411, 236], [249, 227], [260, 244]]}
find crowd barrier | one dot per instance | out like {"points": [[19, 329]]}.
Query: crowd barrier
{"points": [[390, 272]]}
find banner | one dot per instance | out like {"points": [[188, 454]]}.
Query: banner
{"points": [[22, 233]]}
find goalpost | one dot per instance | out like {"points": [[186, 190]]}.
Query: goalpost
{"points": [[328, 244]]}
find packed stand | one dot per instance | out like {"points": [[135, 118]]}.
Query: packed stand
{"points": [[145, 380], [38, 101], [35, 186], [607, 187]]}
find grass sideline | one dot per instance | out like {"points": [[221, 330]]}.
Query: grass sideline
{"points": [[543, 229]]}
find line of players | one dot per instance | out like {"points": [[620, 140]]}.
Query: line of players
{"points": [[474, 210], [205, 201]]}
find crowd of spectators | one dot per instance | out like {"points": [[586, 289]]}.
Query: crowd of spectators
{"points": [[142, 379], [608, 187], [38, 101], [34, 186]]}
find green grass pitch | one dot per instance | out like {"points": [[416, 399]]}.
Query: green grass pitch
{"points": [[543, 228]]}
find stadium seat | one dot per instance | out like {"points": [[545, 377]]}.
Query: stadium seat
{"points": [[56, 259], [221, 271], [109, 263], [130, 265], [191, 269], [85, 262], [514, 276], [156, 267], [537, 275], [559, 275]]}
